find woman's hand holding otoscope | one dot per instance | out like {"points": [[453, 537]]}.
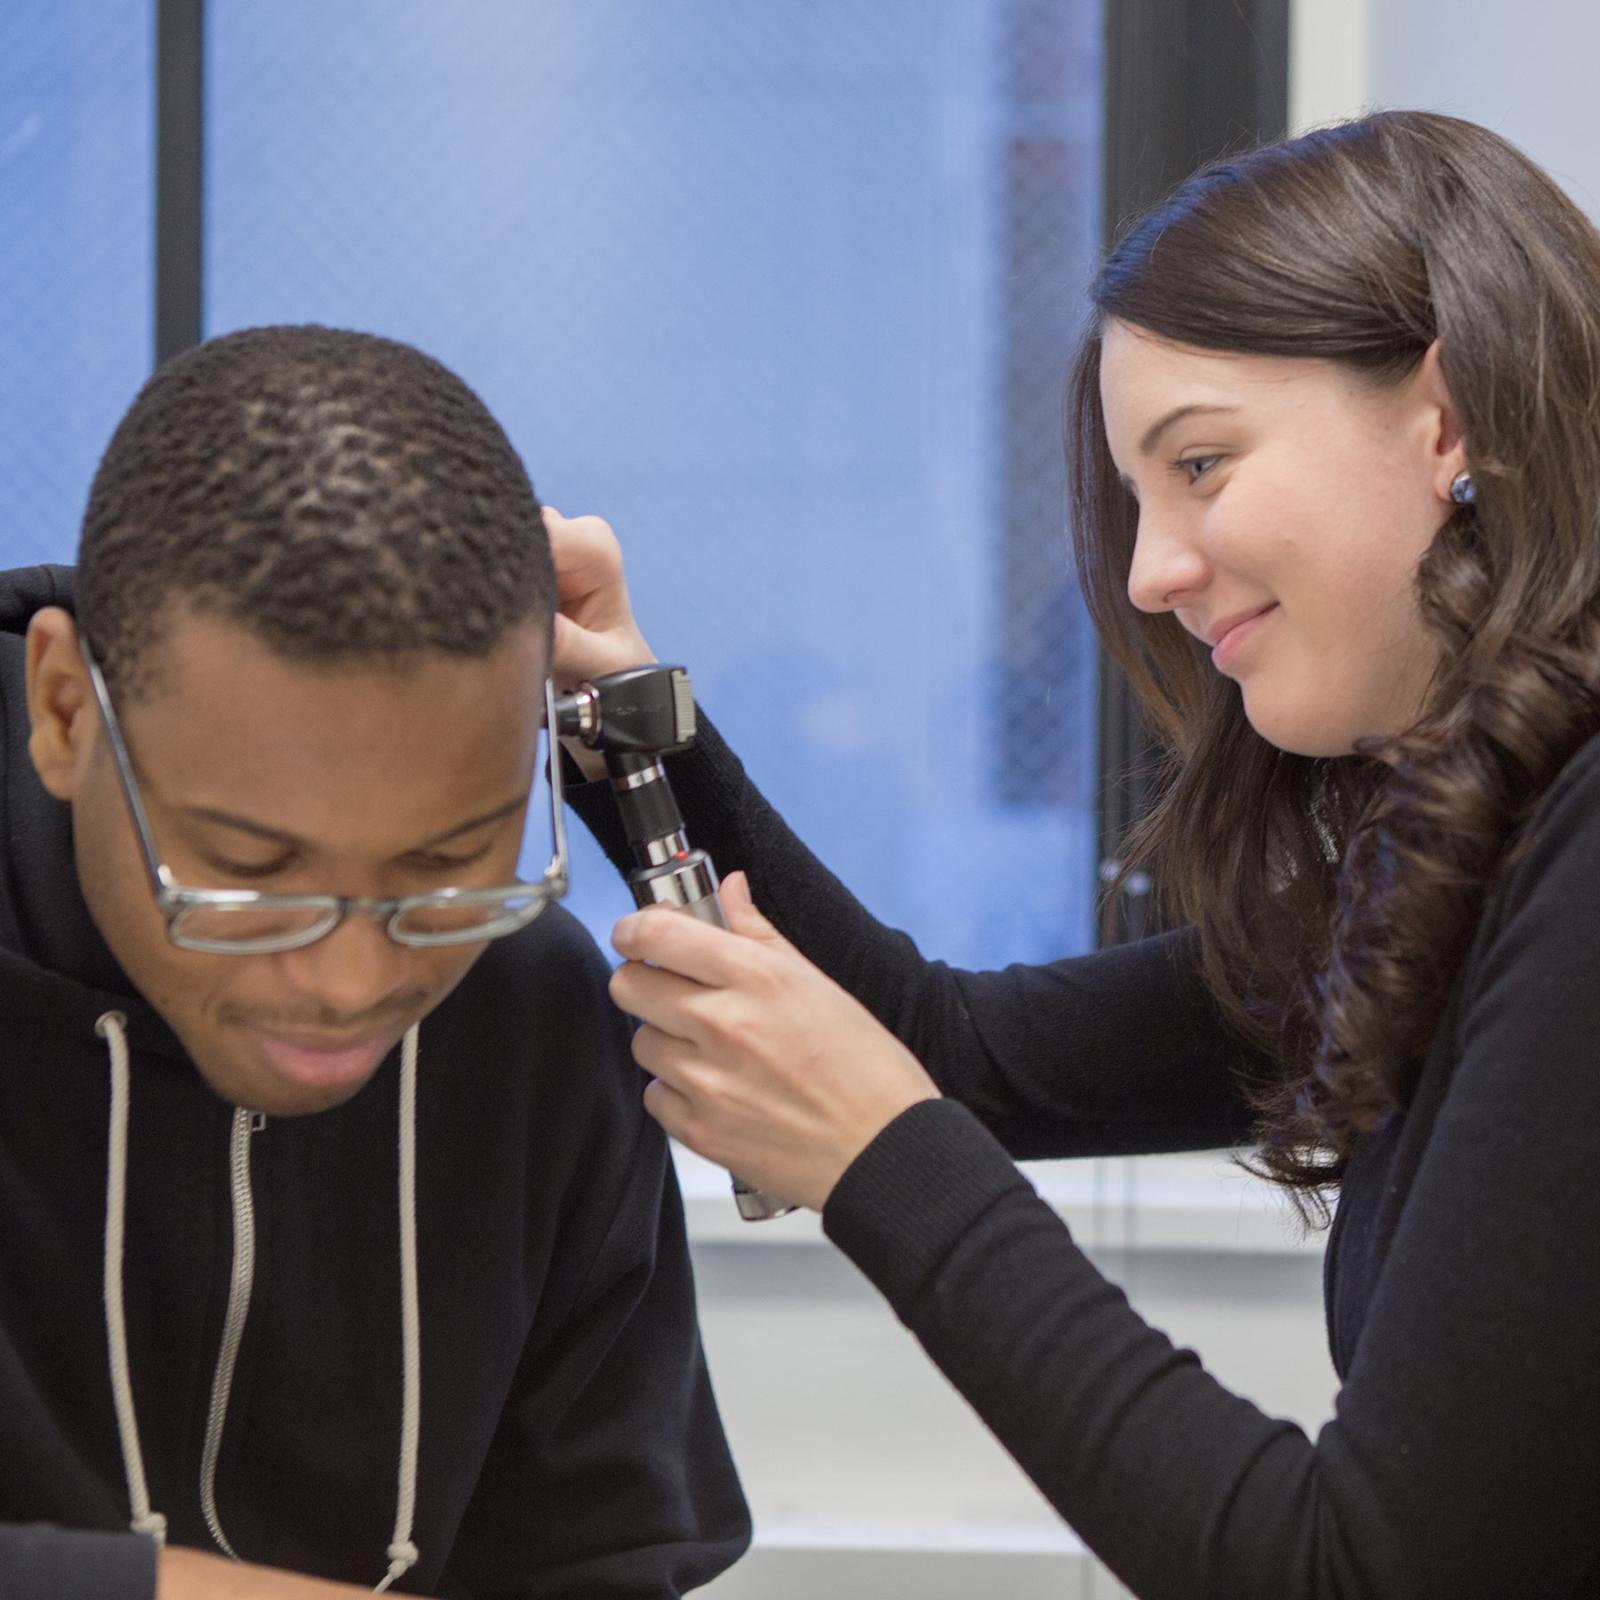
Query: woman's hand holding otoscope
{"points": [[761, 1062]]}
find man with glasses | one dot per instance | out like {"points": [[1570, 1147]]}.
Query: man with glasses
{"points": [[335, 1248]]}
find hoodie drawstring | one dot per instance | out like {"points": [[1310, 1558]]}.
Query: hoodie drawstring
{"points": [[112, 1027], [402, 1553]]}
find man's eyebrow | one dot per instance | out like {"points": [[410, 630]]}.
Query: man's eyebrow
{"points": [[1152, 434], [293, 841]]}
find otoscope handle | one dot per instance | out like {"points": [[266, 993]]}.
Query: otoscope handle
{"points": [[635, 718], [689, 885]]}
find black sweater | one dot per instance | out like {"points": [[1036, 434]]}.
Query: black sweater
{"points": [[1463, 1271], [570, 1445]]}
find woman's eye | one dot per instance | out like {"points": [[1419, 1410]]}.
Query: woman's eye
{"points": [[1194, 468]]}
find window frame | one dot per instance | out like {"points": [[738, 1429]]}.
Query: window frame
{"points": [[1185, 80]]}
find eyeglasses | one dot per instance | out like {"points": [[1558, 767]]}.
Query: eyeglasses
{"points": [[245, 922]]}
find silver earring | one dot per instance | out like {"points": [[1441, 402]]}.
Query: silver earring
{"points": [[1462, 489]]}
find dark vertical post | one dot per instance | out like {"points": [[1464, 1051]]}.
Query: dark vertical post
{"points": [[1049, 223], [179, 142], [1185, 80]]}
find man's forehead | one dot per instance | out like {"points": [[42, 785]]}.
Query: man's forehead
{"points": [[229, 717], [197, 652]]}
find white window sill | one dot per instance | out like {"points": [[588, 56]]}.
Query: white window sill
{"points": [[1179, 1202]]}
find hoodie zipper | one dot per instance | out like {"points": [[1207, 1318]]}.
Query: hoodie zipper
{"points": [[245, 1123]]}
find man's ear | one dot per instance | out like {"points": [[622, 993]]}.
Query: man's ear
{"points": [[1448, 447], [61, 706]]}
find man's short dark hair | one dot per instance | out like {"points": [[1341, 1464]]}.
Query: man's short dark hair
{"points": [[340, 495]]}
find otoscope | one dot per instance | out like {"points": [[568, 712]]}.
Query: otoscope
{"points": [[634, 718]]}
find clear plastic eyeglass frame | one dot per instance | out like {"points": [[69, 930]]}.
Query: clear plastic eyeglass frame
{"points": [[520, 902]]}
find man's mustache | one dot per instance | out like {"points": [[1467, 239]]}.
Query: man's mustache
{"points": [[394, 1013]]}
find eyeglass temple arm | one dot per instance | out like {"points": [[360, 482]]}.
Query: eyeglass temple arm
{"points": [[123, 762], [556, 872]]}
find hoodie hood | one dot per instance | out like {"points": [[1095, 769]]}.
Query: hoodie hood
{"points": [[43, 916]]}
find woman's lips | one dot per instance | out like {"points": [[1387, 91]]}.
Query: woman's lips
{"points": [[1229, 645], [318, 1064]]}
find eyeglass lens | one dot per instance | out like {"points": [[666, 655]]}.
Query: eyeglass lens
{"points": [[269, 925]]}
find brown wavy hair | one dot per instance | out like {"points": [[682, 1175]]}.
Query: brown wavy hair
{"points": [[1334, 899]]}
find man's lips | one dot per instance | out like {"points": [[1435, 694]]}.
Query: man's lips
{"points": [[324, 1063]]}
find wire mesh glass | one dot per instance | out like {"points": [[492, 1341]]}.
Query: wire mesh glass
{"points": [[787, 293], [76, 187]]}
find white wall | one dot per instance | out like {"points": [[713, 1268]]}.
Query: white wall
{"points": [[1526, 70], [1329, 60]]}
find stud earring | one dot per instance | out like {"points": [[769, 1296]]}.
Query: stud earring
{"points": [[1462, 489]]}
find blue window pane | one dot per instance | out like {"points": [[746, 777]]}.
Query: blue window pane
{"points": [[77, 198], [786, 292]]}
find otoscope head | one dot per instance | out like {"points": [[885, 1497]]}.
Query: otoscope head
{"points": [[645, 710]]}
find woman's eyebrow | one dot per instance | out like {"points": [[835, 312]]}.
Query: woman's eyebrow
{"points": [[1152, 434]]}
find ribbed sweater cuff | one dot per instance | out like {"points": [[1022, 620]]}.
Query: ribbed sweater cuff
{"points": [[708, 773], [707, 780], [916, 1190]]}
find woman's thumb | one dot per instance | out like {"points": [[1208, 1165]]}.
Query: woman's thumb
{"points": [[740, 910]]}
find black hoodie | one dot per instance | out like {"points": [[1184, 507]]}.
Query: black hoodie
{"points": [[569, 1442]]}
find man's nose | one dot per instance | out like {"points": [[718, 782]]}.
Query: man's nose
{"points": [[1168, 567], [353, 970]]}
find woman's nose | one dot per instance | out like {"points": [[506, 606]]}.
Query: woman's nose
{"points": [[1168, 568]]}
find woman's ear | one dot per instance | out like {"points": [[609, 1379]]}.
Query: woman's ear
{"points": [[61, 704], [1445, 441]]}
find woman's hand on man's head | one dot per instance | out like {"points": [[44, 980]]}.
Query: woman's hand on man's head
{"points": [[595, 632]]}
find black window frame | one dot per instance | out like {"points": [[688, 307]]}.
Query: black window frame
{"points": [[180, 175], [1185, 80]]}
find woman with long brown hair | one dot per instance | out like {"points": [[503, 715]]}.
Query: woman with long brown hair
{"points": [[1334, 441]]}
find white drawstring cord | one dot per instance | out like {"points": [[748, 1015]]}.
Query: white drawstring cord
{"points": [[402, 1552], [111, 1027]]}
